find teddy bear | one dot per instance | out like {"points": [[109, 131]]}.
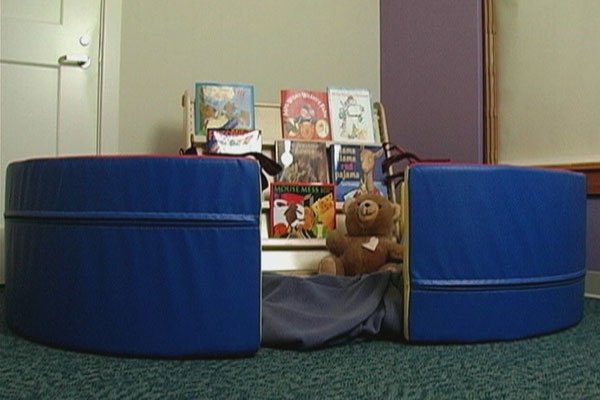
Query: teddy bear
{"points": [[369, 244]]}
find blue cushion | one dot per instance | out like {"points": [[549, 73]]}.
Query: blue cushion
{"points": [[151, 256], [494, 252]]}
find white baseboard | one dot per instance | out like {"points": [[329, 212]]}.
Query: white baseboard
{"points": [[592, 284]]}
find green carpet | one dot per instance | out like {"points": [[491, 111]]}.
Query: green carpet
{"points": [[564, 365]]}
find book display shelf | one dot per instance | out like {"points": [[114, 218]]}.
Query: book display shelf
{"points": [[297, 256]]}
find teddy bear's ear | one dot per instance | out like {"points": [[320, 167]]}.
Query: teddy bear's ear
{"points": [[397, 211], [348, 203]]}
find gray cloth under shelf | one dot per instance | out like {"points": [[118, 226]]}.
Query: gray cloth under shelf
{"points": [[323, 310]]}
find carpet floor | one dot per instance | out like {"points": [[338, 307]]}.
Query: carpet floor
{"points": [[563, 365]]}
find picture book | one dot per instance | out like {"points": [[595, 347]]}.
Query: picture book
{"points": [[302, 161], [351, 115], [305, 115], [223, 106], [233, 141], [301, 210], [356, 169]]}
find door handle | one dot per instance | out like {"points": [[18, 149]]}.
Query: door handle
{"points": [[81, 61]]}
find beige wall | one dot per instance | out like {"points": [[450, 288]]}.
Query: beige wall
{"points": [[547, 60], [166, 46]]}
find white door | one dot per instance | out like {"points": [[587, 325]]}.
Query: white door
{"points": [[48, 89]]}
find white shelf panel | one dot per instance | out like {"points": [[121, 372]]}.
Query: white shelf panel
{"points": [[282, 260], [293, 244]]}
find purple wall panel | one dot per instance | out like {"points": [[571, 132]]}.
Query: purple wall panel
{"points": [[431, 76], [593, 234], [432, 85]]}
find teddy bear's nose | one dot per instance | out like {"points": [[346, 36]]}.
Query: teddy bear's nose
{"points": [[368, 208], [368, 204]]}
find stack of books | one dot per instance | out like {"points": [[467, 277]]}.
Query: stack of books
{"points": [[328, 149], [328, 153]]}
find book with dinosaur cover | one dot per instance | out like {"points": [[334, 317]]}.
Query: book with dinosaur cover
{"points": [[302, 161], [233, 141], [223, 106], [301, 210], [351, 115], [305, 115], [356, 169]]}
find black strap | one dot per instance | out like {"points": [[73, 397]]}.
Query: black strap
{"points": [[391, 160], [392, 178], [267, 164], [189, 151], [395, 154]]}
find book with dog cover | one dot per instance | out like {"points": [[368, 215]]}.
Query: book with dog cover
{"points": [[351, 115], [223, 106], [356, 169], [301, 210], [305, 115], [302, 161]]}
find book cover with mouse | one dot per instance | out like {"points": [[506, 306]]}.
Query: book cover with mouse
{"points": [[301, 210]]}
